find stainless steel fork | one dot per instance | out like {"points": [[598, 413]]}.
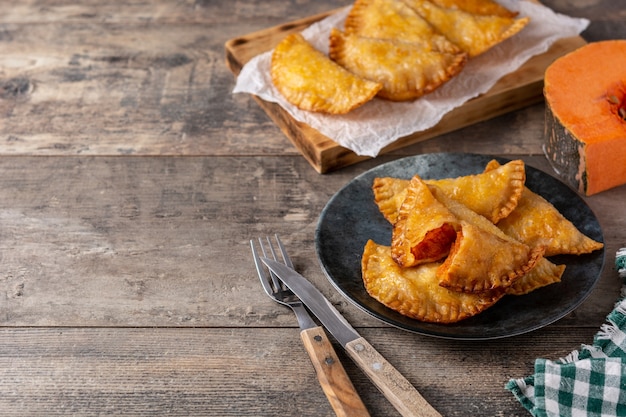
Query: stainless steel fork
{"points": [[331, 375]]}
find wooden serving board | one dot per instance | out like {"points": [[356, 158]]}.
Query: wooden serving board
{"points": [[514, 91]]}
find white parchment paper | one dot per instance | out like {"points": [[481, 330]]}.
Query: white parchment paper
{"points": [[369, 128]]}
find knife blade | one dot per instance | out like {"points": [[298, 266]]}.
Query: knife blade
{"points": [[394, 386]]}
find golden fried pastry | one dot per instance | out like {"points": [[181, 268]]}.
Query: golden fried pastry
{"points": [[480, 261], [493, 194], [425, 228], [473, 33], [537, 222], [309, 80], [464, 213], [443, 251], [415, 292], [389, 193], [544, 273], [480, 7], [407, 71], [503, 259], [393, 19]]}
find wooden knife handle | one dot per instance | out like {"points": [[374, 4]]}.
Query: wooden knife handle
{"points": [[332, 376], [395, 387]]}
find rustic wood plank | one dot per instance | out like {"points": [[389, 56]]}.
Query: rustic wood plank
{"points": [[238, 372], [141, 78], [142, 241], [138, 241]]}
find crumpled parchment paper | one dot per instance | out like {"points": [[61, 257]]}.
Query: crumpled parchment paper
{"points": [[369, 128]]}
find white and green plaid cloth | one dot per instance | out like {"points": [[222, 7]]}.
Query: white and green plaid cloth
{"points": [[587, 383]]}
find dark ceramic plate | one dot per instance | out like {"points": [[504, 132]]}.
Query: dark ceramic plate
{"points": [[351, 218]]}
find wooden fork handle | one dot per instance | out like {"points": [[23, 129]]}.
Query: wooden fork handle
{"points": [[333, 378]]}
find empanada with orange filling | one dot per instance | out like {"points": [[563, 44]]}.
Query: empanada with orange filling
{"points": [[309, 80], [473, 33], [480, 7], [393, 19], [536, 222], [415, 292], [425, 228], [480, 261], [407, 71], [493, 247], [492, 194], [544, 273]]}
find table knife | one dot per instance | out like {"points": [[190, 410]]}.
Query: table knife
{"points": [[394, 386]]}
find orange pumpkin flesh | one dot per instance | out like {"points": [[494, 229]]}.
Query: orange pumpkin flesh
{"points": [[585, 94]]}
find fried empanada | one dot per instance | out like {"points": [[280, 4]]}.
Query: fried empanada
{"points": [[389, 193], [480, 7], [393, 19], [492, 194], [425, 228], [536, 222], [311, 81], [480, 261], [407, 71], [544, 273], [464, 213], [502, 258], [415, 292], [473, 33]]}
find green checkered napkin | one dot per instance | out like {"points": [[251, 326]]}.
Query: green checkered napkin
{"points": [[587, 383]]}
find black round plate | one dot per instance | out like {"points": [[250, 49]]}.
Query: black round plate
{"points": [[351, 217]]}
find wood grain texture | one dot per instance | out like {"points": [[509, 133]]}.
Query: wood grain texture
{"points": [[239, 373], [393, 385], [129, 78], [131, 181], [139, 241], [335, 382]]}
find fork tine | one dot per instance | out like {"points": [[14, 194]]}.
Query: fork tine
{"points": [[283, 252], [260, 269], [278, 284], [272, 285]]}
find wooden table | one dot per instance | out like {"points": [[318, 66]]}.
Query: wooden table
{"points": [[131, 183]]}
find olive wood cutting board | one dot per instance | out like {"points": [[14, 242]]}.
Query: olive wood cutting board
{"points": [[514, 91]]}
